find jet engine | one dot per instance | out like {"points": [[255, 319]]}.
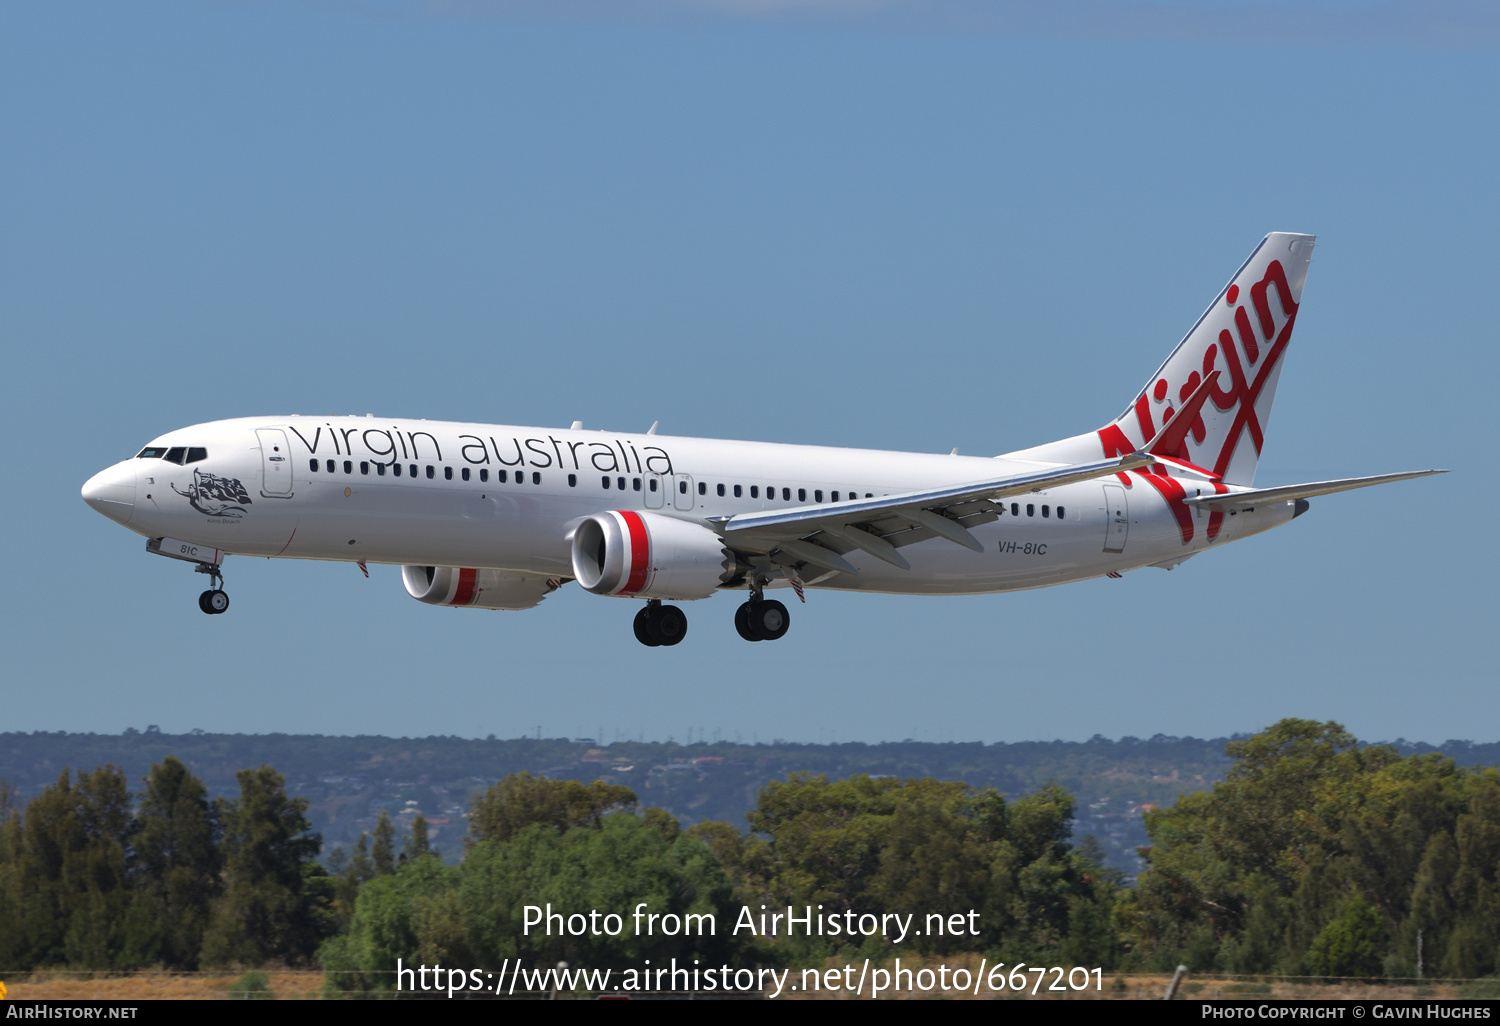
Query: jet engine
{"points": [[477, 589], [646, 555]]}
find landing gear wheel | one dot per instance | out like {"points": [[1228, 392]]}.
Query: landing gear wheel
{"points": [[213, 602], [770, 619], [742, 623], [645, 627], [762, 621], [671, 625]]}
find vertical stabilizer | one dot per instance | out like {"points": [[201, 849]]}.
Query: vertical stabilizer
{"points": [[1244, 336]]}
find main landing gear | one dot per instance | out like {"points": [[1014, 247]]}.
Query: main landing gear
{"points": [[214, 600], [657, 625], [762, 619]]}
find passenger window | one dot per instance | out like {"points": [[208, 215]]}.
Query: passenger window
{"points": [[396, 469], [500, 476], [330, 466], [411, 468], [573, 481], [737, 491], [1030, 510], [348, 466], [447, 473], [869, 496], [176, 453], [682, 487], [605, 479], [430, 473], [464, 473], [312, 465], [755, 491], [194, 455], [621, 482], [653, 484], [364, 467], [833, 496], [1015, 509], [635, 484], [786, 495], [1059, 513], [380, 469], [720, 490], [1046, 511], [536, 477], [702, 488], [484, 474], [818, 495]]}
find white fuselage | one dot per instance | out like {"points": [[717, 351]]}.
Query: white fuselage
{"points": [[507, 498]]}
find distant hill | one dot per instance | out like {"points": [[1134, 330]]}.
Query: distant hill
{"points": [[348, 780]]}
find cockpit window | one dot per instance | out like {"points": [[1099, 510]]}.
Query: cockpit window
{"points": [[152, 452], [175, 454], [195, 454]]}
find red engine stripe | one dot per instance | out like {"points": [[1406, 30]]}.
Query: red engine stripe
{"points": [[465, 593], [640, 552]]}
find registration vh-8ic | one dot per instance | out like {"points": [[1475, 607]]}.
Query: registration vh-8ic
{"points": [[490, 516]]}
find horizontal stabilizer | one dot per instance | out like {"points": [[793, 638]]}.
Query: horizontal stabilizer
{"points": [[1261, 496]]}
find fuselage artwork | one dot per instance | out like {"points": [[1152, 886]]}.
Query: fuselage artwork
{"points": [[497, 517]]}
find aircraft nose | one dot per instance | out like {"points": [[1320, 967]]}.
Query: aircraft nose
{"points": [[112, 491]]}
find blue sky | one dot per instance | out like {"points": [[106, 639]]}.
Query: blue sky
{"points": [[849, 224]]}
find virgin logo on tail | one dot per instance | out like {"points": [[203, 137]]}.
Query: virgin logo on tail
{"points": [[1245, 358]]}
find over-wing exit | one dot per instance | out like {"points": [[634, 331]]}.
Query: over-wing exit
{"points": [[496, 517]]}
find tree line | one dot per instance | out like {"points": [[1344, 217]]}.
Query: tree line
{"points": [[1314, 856]]}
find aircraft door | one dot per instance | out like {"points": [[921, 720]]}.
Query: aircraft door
{"points": [[1116, 518], [656, 490], [682, 491], [275, 462]]}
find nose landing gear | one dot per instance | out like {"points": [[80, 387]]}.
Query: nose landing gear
{"points": [[215, 600], [658, 625], [209, 561]]}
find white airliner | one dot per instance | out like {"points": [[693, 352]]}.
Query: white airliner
{"points": [[496, 517]]}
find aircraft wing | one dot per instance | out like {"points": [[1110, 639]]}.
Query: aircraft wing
{"points": [[820, 535], [1258, 496]]}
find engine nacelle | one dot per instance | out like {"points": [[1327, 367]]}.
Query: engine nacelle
{"points": [[645, 555], [477, 589]]}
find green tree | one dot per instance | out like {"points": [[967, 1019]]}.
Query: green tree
{"points": [[1350, 945], [383, 853], [520, 800], [474, 914], [1318, 854], [349, 877], [176, 864], [12, 905], [926, 847], [276, 900], [66, 879], [417, 842]]}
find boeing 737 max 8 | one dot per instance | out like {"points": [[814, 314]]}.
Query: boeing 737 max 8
{"points": [[496, 517]]}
